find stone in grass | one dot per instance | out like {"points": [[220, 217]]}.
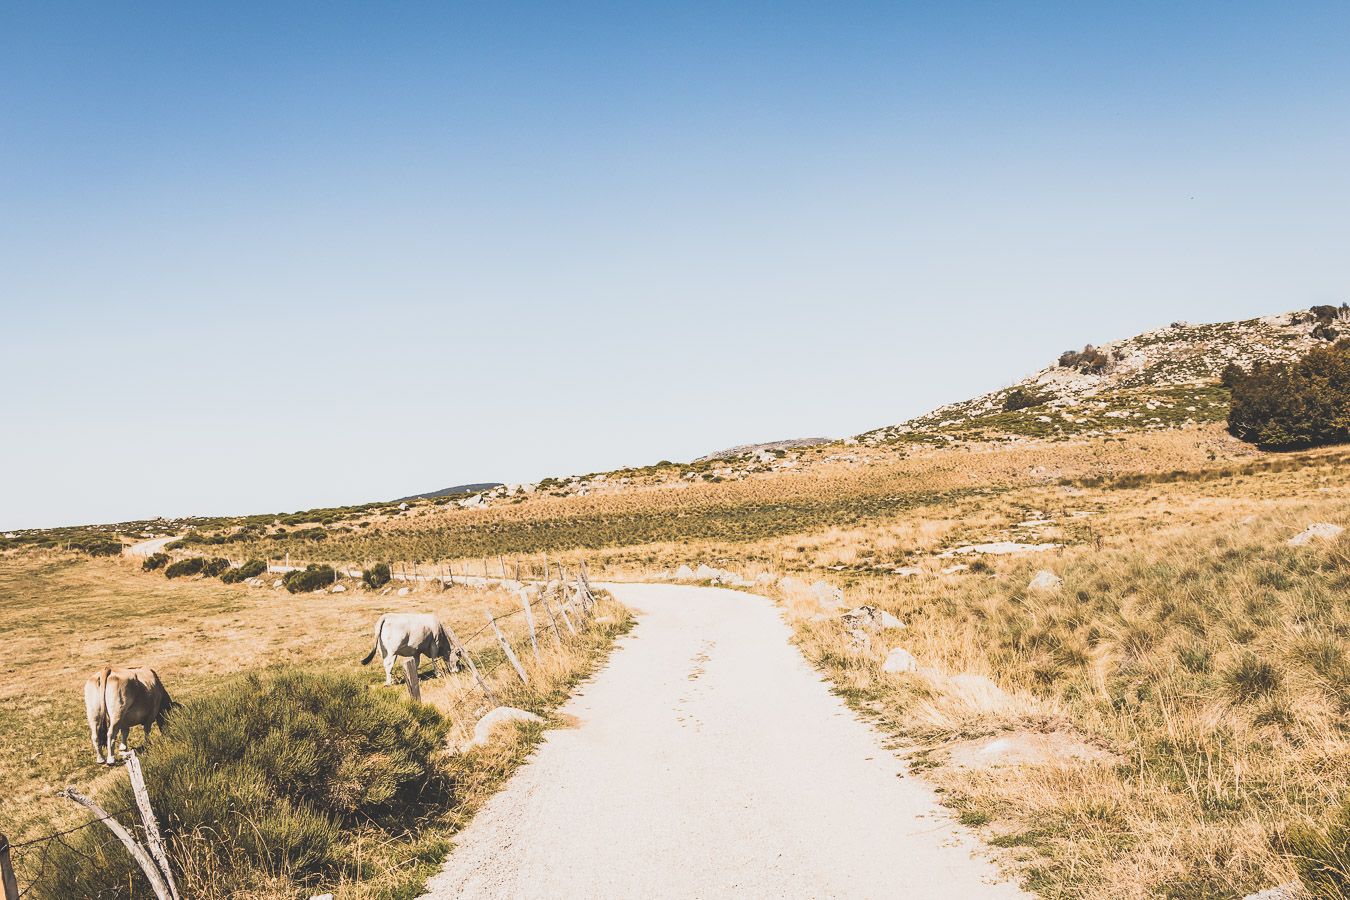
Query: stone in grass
{"points": [[890, 621], [899, 660], [402, 592], [277, 583], [1291, 890], [482, 732], [1045, 581], [1322, 531], [338, 589], [684, 573], [827, 594]]}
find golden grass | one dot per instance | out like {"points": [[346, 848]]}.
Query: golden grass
{"points": [[63, 615]]}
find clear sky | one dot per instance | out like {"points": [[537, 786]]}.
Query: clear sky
{"points": [[261, 256]]}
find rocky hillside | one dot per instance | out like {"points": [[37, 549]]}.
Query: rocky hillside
{"points": [[1159, 379]]}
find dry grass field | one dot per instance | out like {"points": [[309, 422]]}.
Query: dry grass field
{"points": [[1183, 689], [62, 615], [1200, 661]]}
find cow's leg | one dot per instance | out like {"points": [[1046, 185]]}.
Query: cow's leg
{"points": [[97, 735], [113, 725], [389, 669]]}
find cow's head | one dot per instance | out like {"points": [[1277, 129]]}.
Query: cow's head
{"points": [[448, 652]]}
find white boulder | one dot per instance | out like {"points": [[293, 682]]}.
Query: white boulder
{"points": [[827, 594], [338, 589], [684, 573], [899, 660], [1322, 531], [482, 732], [402, 592], [1045, 581], [889, 621]]}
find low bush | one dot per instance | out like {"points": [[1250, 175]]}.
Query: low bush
{"points": [[311, 578], [216, 567], [250, 569], [1288, 406], [1089, 360], [377, 576], [1021, 398], [269, 776], [155, 561], [185, 567]]}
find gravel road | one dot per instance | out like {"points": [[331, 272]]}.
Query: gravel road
{"points": [[710, 760]]}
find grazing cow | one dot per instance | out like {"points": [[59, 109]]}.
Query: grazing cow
{"points": [[116, 700], [415, 635]]}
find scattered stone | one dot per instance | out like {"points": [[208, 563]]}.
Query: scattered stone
{"points": [[705, 572], [908, 571], [890, 621], [1323, 531], [952, 570], [859, 641], [684, 573], [1026, 748], [338, 589], [1045, 581], [277, 583], [482, 732], [998, 548], [868, 617], [827, 594], [900, 660], [402, 592]]}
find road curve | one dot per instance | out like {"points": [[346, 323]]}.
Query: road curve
{"points": [[711, 760], [150, 547]]}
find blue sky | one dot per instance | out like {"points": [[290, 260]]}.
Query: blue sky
{"points": [[260, 259]]}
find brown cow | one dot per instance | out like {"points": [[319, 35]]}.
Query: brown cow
{"points": [[117, 700]]}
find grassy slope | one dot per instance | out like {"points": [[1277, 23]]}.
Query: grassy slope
{"points": [[63, 615], [1188, 639]]}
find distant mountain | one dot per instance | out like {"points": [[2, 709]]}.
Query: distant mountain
{"points": [[456, 490], [1159, 379]]}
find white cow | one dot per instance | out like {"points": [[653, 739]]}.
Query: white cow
{"points": [[414, 635], [116, 700]]}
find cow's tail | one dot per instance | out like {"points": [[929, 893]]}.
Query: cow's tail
{"points": [[379, 626], [95, 699]]}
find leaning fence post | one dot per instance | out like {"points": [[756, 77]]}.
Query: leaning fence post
{"points": [[510, 654], [7, 880], [468, 657], [562, 608], [152, 873], [152, 838], [553, 621], [529, 620]]}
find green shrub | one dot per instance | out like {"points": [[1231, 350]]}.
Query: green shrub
{"points": [[377, 576], [1021, 398], [269, 774], [311, 578], [216, 567], [1286, 406], [155, 561], [250, 569], [1089, 360], [185, 567], [1322, 855]]}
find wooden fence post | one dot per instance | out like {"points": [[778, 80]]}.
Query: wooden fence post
{"points": [[152, 838], [557, 637], [562, 608], [8, 882], [414, 681], [506, 645], [529, 620], [152, 873], [468, 657]]}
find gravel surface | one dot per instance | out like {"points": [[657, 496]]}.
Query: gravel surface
{"points": [[711, 760]]}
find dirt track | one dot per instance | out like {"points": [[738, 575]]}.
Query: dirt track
{"points": [[711, 760]]}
